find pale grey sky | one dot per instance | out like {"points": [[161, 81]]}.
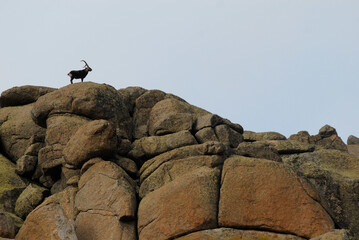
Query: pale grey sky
{"points": [[279, 65]]}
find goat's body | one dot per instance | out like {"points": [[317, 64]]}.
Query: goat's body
{"points": [[79, 74]]}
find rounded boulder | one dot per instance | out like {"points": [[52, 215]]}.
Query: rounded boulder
{"points": [[94, 139]]}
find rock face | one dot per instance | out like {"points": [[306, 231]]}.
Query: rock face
{"points": [[352, 140], [155, 145], [7, 226], [336, 176], [106, 202], [327, 138], [248, 203], [87, 161], [53, 219], [11, 185], [18, 96], [187, 204], [89, 100], [18, 132], [230, 233], [32, 196], [94, 139]]}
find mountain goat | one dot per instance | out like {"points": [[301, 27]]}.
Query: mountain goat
{"points": [[80, 74]]}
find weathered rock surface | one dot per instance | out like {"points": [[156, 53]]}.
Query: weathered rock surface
{"points": [[228, 136], [11, 221], [234, 234], [250, 136], [26, 164], [18, 131], [332, 142], [144, 164], [246, 202], [258, 150], [53, 219], [155, 145], [211, 127], [327, 138], [143, 106], [187, 204], [206, 135], [353, 149], [101, 185], [128, 165], [50, 159], [92, 225], [327, 131], [30, 198], [171, 170], [23, 95], [335, 174], [11, 185], [352, 140], [89, 164], [337, 234], [7, 226], [130, 95], [212, 120], [94, 139], [171, 115], [106, 200], [91, 100], [60, 128], [208, 121], [208, 148], [302, 136], [291, 147]]}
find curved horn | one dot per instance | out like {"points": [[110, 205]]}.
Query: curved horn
{"points": [[85, 63]]}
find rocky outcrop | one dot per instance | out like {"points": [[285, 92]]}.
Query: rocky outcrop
{"points": [[334, 235], [335, 176], [170, 116], [19, 135], [90, 100], [11, 185], [169, 171], [31, 197], [353, 146], [94, 139], [188, 203], [53, 219], [352, 140], [87, 161], [151, 146], [327, 138], [106, 203], [7, 226], [231, 233], [258, 150], [143, 105], [250, 136], [285, 203], [209, 148], [18, 96]]}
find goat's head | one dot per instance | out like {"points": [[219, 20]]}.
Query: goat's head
{"points": [[87, 66]]}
